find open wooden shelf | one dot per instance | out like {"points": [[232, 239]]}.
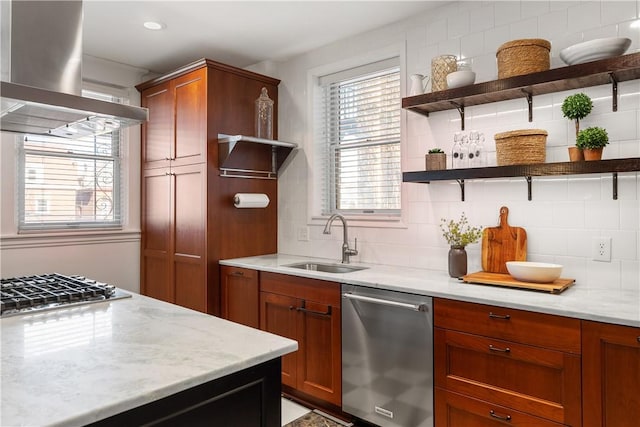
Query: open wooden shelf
{"points": [[610, 70], [528, 171]]}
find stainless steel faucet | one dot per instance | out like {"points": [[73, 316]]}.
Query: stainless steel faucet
{"points": [[346, 251]]}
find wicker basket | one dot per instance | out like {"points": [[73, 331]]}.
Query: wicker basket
{"points": [[440, 67], [523, 56], [521, 147]]}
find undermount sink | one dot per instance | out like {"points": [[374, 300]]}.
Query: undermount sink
{"points": [[326, 268]]}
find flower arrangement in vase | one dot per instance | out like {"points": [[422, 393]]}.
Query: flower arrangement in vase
{"points": [[458, 235]]}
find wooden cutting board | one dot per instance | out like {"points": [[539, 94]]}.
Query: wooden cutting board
{"points": [[499, 279], [501, 244]]}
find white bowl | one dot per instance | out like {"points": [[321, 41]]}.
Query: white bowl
{"points": [[460, 78], [594, 50], [538, 272]]}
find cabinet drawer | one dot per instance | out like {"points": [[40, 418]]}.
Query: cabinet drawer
{"points": [[545, 330], [316, 290], [455, 410], [533, 380]]}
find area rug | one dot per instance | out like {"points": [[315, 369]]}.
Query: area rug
{"points": [[313, 419]]}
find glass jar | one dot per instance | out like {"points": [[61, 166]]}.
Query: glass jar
{"points": [[264, 115]]}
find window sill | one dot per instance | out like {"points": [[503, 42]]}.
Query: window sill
{"points": [[52, 239], [391, 221]]}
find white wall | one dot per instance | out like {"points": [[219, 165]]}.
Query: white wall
{"points": [[112, 257], [566, 213]]}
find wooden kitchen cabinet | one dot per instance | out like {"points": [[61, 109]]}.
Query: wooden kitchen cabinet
{"points": [[610, 375], [308, 311], [492, 363], [240, 295], [188, 220]]}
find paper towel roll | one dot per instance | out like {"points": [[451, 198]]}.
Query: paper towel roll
{"points": [[250, 200]]}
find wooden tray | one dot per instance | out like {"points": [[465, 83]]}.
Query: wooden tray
{"points": [[500, 279]]}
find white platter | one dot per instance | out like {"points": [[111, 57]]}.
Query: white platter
{"points": [[594, 50]]}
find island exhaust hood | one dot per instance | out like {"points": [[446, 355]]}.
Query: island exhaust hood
{"points": [[41, 83]]}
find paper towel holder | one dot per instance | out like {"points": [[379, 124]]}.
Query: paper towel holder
{"points": [[250, 200]]}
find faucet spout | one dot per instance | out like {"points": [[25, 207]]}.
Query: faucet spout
{"points": [[346, 251]]}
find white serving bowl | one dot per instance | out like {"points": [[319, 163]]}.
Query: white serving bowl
{"points": [[538, 272], [594, 50], [460, 78]]}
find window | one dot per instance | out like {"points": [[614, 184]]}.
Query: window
{"points": [[359, 140], [70, 183]]}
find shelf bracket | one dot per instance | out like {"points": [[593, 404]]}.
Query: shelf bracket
{"points": [[529, 180], [530, 103], [614, 91], [615, 186], [460, 109], [461, 183]]}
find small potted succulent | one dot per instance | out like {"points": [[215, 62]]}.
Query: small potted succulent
{"points": [[458, 235], [435, 159], [576, 107], [591, 141]]}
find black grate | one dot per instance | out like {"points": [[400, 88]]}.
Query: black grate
{"points": [[32, 292]]}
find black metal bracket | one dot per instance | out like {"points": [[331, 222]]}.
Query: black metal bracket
{"points": [[615, 186], [461, 184], [529, 180], [530, 103], [460, 109], [614, 91]]}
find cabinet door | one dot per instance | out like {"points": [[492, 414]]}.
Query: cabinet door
{"points": [[156, 241], [157, 132], [456, 410], [320, 358], [240, 295], [610, 375], [190, 95], [278, 316], [189, 231], [541, 382]]}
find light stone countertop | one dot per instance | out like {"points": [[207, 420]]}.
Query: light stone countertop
{"points": [[611, 306], [77, 365]]}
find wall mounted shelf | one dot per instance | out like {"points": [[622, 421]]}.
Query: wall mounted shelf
{"points": [[613, 166], [242, 156], [605, 71]]}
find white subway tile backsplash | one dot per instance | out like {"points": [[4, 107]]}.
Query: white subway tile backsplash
{"points": [[472, 46], [526, 29], [602, 215], [507, 12], [482, 18], [603, 275], [583, 16], [618, 11], [630, 275], [534, 8], [458, 25], [552, 25], [437, 31], [495, 37]]}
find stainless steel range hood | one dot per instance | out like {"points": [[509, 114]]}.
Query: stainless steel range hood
{"points": [[42, 74]]}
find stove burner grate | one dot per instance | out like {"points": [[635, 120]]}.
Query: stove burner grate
{"points": [[48, 290]]}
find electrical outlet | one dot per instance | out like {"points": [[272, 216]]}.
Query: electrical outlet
{"points": [[602, 249], [303, 234]]}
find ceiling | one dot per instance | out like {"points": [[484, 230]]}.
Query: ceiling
{"points": [[238, 33]]}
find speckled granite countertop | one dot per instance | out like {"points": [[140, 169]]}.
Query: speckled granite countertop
{"points": [[77, 365], [611, 306]]}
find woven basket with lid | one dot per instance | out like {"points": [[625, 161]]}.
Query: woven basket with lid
{"points": [[523, 56], [521, 147]]}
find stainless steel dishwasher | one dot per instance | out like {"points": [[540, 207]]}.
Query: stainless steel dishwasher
{"points": [[387, 357]]}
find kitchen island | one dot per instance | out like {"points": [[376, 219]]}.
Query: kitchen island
{"points": [[95, 363], [616, 306]]}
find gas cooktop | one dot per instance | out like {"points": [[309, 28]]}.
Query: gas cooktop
{"points": [[22, 295]]}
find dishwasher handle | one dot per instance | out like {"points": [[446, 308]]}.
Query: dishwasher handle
{"points": [[409, 306]]}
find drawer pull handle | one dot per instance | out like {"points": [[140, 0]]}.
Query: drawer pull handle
{"points": [[238, 273], [499, 316], [303, 309], [500, 417], [638, 339], [501, 350]]}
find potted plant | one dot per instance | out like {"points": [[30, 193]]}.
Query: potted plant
{"points": [[458, 235], [435, 159], [576, 107], [591, 141]]}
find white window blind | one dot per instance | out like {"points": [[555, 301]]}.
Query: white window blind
{"points": [[360, 140], [70, 184]]}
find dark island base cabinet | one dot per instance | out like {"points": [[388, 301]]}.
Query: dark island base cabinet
{"points": [[248, 398]]}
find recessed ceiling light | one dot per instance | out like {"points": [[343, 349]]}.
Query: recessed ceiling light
{"points": [[152, 25]]}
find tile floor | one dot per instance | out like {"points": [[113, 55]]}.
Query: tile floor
{"points": [[292, 411], [296, 415]]}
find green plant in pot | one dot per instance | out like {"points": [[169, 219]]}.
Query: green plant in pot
{"points": [[435, 159], [458, 235], [576, 107], [591, 141]]}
